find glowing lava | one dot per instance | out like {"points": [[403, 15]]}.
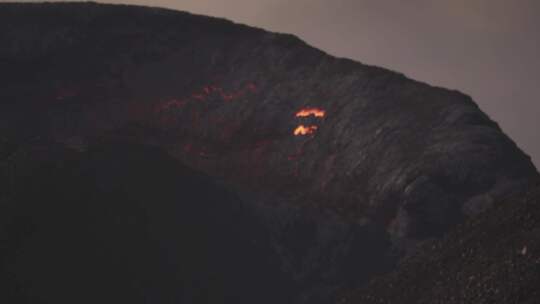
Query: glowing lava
{"points": [[206, 93], [305, 130], [311, 111], [307, 112]]}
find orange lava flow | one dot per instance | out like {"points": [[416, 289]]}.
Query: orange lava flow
{"points": [[311, 111], [305, 130]]}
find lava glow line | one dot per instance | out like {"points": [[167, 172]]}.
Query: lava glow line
{"points": [[311, 111], [209, 91], [305, 130]]}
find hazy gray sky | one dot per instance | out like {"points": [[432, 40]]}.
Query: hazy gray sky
{"points": [[485, 48]]}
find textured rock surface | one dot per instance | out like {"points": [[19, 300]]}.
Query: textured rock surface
{"points": [[386, 160], [494, 258]]}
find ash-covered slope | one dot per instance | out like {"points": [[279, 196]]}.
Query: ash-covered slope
{"points": [[345, 164], [494, 258]]}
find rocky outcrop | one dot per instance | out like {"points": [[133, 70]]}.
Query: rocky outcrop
{"points": [[494, 258], [333, 156]]}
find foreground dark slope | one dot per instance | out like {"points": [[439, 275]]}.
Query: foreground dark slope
{"points": [[493, 259], [123, 223], [385, 161]]}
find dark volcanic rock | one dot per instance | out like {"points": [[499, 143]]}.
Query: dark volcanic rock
{"points": [[494, 258], [125, 223], [377, 163]]}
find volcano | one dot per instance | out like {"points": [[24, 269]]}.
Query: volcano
{"points": [[228, 164]]}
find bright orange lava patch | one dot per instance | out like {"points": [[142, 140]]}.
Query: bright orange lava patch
{"points": [[311, 111], [305, 130]]}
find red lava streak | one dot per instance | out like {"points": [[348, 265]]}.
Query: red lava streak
{"points": [[210, 92], [305, 130], [311, 111]]}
